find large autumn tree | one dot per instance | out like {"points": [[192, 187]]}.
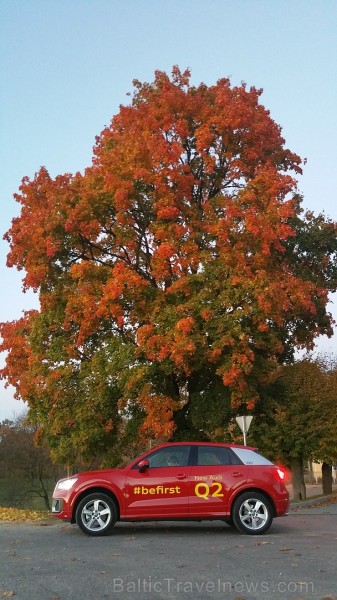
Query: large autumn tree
{"points": [[173, 274]]}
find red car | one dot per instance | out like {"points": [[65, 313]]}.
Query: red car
{"points": [[174, 481]]}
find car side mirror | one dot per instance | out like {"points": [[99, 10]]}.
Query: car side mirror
{"points": [[143, 465]]}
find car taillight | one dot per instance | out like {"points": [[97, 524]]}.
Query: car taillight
{"points": [[281, 473]]}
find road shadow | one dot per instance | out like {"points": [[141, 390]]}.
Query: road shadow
{"points": [[173, 528]]}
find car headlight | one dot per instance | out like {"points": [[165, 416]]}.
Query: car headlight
{"points": [[66, 484]]}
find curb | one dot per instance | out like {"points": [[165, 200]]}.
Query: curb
{"points": [[312, 501]]}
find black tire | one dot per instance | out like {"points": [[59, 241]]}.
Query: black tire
{"points": [[96, 514], [252, 513]]}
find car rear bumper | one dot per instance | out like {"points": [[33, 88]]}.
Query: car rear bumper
{"points": [[282, 505]]}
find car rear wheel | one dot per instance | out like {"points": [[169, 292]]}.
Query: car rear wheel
{"points": [[252, 513], [96, 514]]}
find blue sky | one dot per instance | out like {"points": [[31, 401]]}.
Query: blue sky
{"points": [[67, 65]]}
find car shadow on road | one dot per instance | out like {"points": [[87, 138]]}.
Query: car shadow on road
{"points": [[167, 528]]}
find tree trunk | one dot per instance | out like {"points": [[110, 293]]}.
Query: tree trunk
{"points": [[299, 490], [327, 478]]}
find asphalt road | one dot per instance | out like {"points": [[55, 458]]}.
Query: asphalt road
{"points": [[296, 559]]}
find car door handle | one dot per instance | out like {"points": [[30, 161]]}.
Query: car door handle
{"points": [[182, 476], [237, 474]]}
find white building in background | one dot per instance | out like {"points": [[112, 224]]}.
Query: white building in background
{"points": [[313, 472]]}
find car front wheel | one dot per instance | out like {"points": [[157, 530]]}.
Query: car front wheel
{"points": [[252, 513], [96, 514]]}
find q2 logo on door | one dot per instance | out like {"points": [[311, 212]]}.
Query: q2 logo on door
{"points": [[205, 490]]}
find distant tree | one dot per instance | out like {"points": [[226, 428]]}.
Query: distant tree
{"points": [[327, 450], [174, 275], [296, 419], [21, 461]]}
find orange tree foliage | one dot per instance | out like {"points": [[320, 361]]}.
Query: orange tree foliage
{"points": [[174, 274]]}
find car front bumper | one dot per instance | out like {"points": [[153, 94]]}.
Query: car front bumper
{"points": [[60, 509]]}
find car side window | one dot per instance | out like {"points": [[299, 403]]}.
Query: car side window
{"points": [[176, 456], [251, 457], [209, 456]]}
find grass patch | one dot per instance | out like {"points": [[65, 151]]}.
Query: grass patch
{"points": [[18, 493]]}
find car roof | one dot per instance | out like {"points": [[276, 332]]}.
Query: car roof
{"points": [[187, 443]]}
